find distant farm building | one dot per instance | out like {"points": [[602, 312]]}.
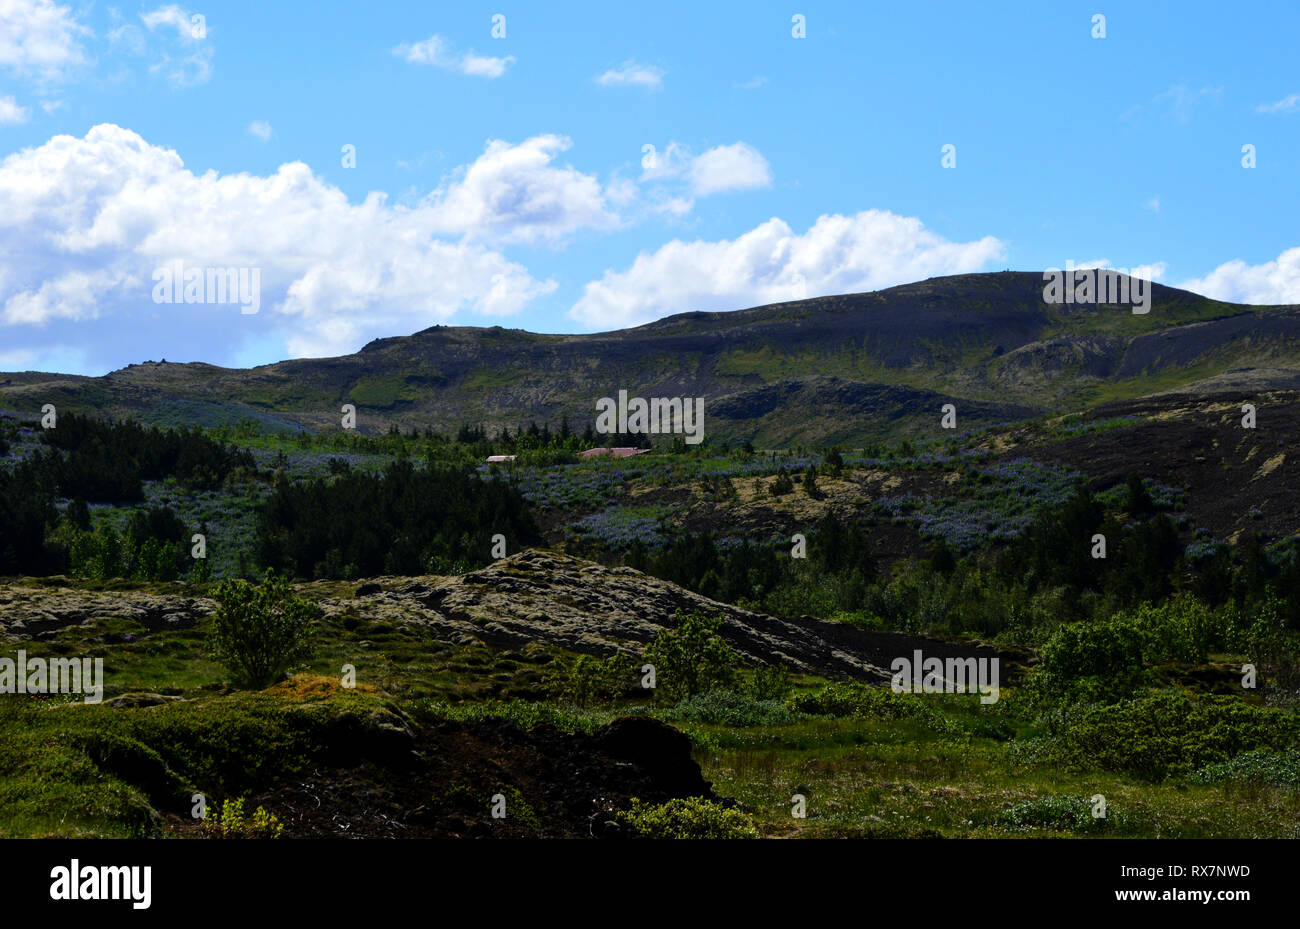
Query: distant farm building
{"points": [[501, 458]]}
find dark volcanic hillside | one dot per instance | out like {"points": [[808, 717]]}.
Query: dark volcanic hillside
{"points": [[828, 369]]}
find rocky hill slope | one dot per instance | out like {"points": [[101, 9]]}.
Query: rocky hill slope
{"points": [[828, 369], [532, 596]]}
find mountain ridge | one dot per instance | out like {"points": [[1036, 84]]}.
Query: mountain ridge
{"points": [[847, 367]]}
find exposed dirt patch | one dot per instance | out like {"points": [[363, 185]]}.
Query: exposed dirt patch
{"points": [[554, 784]]}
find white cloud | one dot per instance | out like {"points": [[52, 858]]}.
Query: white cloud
{"points": [[671, 162], [771, 263], [190, 62], [1148, 272], [1273, 282], [11, 113], [40, 39], [1153, 204], [621, 191], [631, 74], [129, 36], [724, 168], [260, 128], [84, 223], [673, 206], [729, 167], [753, 83], [173, 16], [513, 193], [1181, 100], [436, 51], [1288, 104]]}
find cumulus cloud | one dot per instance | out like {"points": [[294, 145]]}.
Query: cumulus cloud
{"points": [[85, 222], [1148, 272], [724, 168], [40, 39], [437, 51], [771, 263], [260, 128], [729, 167], [1273, 282], [11, 113], [513, 193], [631, 74]]}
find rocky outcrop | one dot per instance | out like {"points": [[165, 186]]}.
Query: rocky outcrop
{"points": [[585, 607], [36, 610], [532, 596]]}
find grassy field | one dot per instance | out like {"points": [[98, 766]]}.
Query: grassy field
{"points": [[896, 766]]}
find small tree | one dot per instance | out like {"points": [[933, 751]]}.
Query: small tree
{"points": [[1138, 501], [782, 484], [834, 463], [259, 631], [810, 482], [692, 658]]}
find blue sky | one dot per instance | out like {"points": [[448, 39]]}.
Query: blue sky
{"points": [[506, 181]]}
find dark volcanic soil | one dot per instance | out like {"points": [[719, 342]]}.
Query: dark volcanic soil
{"points": [[1236, 479], [556, 784]]}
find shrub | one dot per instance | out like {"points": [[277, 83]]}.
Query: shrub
{"points": [[1182, 628], [230, 822], [590, 680], [691, 818], [1162, 735], [1062, 814], [1279, 769], [725, 707], [810, 483], [768, 682], [842, 699], [692, 657], [259, 631], [1099, 661]]}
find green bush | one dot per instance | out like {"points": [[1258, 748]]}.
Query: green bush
{"points": [[258, 632], [521, 713], [1168, 734], [1061, 814], [1279, 769], [768, 682], [842, 699], [1100, 661], [1182, 628], [589, 680], [691, 818], [724, 707], [229, 821], [691, 658]]}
